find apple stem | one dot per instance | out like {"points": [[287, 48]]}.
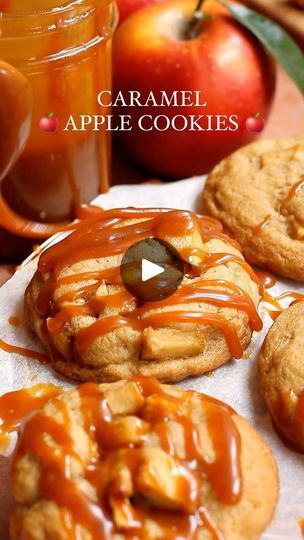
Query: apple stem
{"points": [[195, 22]]}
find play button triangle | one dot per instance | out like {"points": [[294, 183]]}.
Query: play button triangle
{"points": [[149, 270]]}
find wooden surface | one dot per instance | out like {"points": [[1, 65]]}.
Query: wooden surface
{"points": [[287, 119]]}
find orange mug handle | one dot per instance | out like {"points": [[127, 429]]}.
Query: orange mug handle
{"points": [[16, 106], [20, 226]]}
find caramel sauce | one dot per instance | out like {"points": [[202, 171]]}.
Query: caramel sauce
{"points": [[295, 296], [276, 302], [266, 279], [14, 321], [216, 259], [295, 190], [261, 226], [28, 353], [15, 406], [109, 450], [74, 165], [106, 236], [108, 324], [236, 298]]}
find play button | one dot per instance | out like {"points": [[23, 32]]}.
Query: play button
{"points": [[151, 270]]}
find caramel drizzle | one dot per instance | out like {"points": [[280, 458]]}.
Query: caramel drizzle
{"points": [[224, 472], [15, 406], [103, 239], [295, 190], [92, 240], [266, 279], [22, 351], [276, 302], [14, 321], [186, 294], [261, 226]]}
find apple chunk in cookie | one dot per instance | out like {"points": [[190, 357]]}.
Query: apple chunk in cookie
{"points": [[137, 460], [281, 373], [95, 329]]}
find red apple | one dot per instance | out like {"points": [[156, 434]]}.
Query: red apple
{"points": [[127, 7], [49, 124], [152, 52], [255, 123]]}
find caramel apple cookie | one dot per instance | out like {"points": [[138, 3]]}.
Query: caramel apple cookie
{"points": [[258, 195], [138, 460], [281, 373], [96, 330]]}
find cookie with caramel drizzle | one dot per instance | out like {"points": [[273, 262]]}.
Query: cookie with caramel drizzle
{"points": [[136, 460], [258, 195], [96, 330]]}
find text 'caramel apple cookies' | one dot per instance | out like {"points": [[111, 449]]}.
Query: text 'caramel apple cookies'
{"points": [[136, 460], [258, 195], [281, 373], [96, 330]]}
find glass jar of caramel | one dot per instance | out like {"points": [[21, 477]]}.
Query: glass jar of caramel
{"points": [[64, 51]]}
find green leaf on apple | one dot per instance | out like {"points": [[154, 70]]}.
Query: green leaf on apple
{"points": [[274, 38]]}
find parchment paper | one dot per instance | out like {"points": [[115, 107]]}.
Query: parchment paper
{"points": [[235, 383]]}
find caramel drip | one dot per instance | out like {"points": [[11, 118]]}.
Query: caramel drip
{"points": [[273, 313], [108, 324], [108, 236], [276, 302], [156, 408], [110, 275], [266, 279], [216, 259], [186, 294], [261, 226], [15, 406], [28, 353], [237, 299], [14, 321], [295, 190], [211, 527], [93, 240], [295, 296]]}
